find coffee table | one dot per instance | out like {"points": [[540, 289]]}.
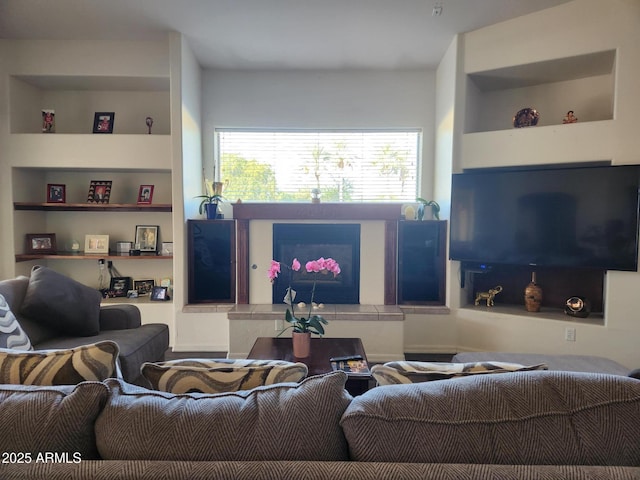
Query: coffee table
{"points": [[322, 349]]}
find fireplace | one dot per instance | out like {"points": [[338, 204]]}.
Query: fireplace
{"points": [[309, 242]]}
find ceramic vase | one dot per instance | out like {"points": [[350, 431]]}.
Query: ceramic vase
{"points": [[533, 295], [301, 344]]}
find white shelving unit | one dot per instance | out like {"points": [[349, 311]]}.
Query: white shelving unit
{"points": [[74, 156], [582, 83]]}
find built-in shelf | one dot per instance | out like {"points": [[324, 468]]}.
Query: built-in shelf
{"points": [[545, 313], [317, 211], [79, 207], [23, 257]]}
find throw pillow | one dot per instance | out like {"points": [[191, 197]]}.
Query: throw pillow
{"points": [[11, 333], [60, 419], [413, 372], [218, 376], [96, 361], [62, 303], [287, 421]]}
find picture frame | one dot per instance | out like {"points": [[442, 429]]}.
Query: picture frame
{"points": [[96, 244], [48, 121], [167, 249], [99, 191], [40, 243], [56, 193], [144, 287], [159, 294], [103, 122], [120, 286], [147, 237], [145, 194]]}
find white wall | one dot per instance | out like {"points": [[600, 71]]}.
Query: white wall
{"points": [[321, 99], [575, 28]]}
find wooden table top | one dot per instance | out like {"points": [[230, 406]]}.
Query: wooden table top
{"points": [[322, 349]]}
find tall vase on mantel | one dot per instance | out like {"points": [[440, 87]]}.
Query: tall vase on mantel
{"points": [[533, 295], [301, 344]]}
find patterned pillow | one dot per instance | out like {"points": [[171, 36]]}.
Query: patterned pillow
{"points": [[11, 334], [413, 372], [220, 375], [96, 361]]}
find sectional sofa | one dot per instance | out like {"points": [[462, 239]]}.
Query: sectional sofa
{"points": [[521, 425], [56, 312]]}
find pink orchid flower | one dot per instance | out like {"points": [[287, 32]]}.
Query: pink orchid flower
{"points": [[295, 265], [274, 270]]}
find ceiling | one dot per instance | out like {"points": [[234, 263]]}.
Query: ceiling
{"points": [[272, 34]]}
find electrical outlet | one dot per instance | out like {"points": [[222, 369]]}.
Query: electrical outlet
{"points": [[570, 334]]}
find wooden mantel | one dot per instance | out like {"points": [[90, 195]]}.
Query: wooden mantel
{"points": [[390, 213], [317, 211]]}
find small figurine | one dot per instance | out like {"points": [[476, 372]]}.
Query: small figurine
{"points": [[149, 122], [488, 296], [570, 117]]}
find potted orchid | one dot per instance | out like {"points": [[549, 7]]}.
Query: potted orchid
{"points": [[304, 327]]}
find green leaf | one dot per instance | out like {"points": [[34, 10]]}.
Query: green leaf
{"points": [[315, 323]]}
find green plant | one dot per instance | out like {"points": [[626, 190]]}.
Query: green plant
{"points": [[212, 196], [312, 323], [435, 208]]}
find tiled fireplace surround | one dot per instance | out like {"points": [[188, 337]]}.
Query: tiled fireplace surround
{"points": [[377, 319]]}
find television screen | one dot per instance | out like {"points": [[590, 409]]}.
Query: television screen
{"points": [[559, 217]]}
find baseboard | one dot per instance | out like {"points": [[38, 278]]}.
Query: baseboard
{"points": [[432, 349], [199, 348]]}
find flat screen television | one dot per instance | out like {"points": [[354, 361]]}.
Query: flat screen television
{"points": [[584, 217]]}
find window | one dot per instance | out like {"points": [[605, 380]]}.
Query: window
{"points": [[345, 166]]}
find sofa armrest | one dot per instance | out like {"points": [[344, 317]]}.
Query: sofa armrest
{"points": [[119, 317]]}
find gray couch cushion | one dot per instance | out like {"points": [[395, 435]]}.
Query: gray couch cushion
{"points": [[51, 419], [551, 418], [568, 363], [137, 345], [62, 303], [288, 421]]}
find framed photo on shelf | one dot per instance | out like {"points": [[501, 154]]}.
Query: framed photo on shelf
{"points": [[99, 191], [44, 243], [159, 293], [48, 121], [96, 244], [120, 286], [144, 287], [56, 193], [147, 237], [145, 194], [103, 122]]}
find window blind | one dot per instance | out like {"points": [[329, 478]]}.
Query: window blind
{"points": [[345, 166]]}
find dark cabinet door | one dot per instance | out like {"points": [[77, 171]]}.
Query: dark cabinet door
{"points": [[421, 262], [212, 261]]}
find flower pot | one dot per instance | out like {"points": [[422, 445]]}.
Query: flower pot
{"points": [[301, 344], [211, 209]]}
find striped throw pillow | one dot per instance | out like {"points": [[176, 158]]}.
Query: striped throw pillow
{"points": [[97, 361], [392, 373], [220, 375]]}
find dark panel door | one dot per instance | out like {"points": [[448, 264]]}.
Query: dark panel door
{"points": [[212, 261]]}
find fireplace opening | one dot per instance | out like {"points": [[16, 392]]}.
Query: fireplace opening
{"points": [[309, 242]]}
